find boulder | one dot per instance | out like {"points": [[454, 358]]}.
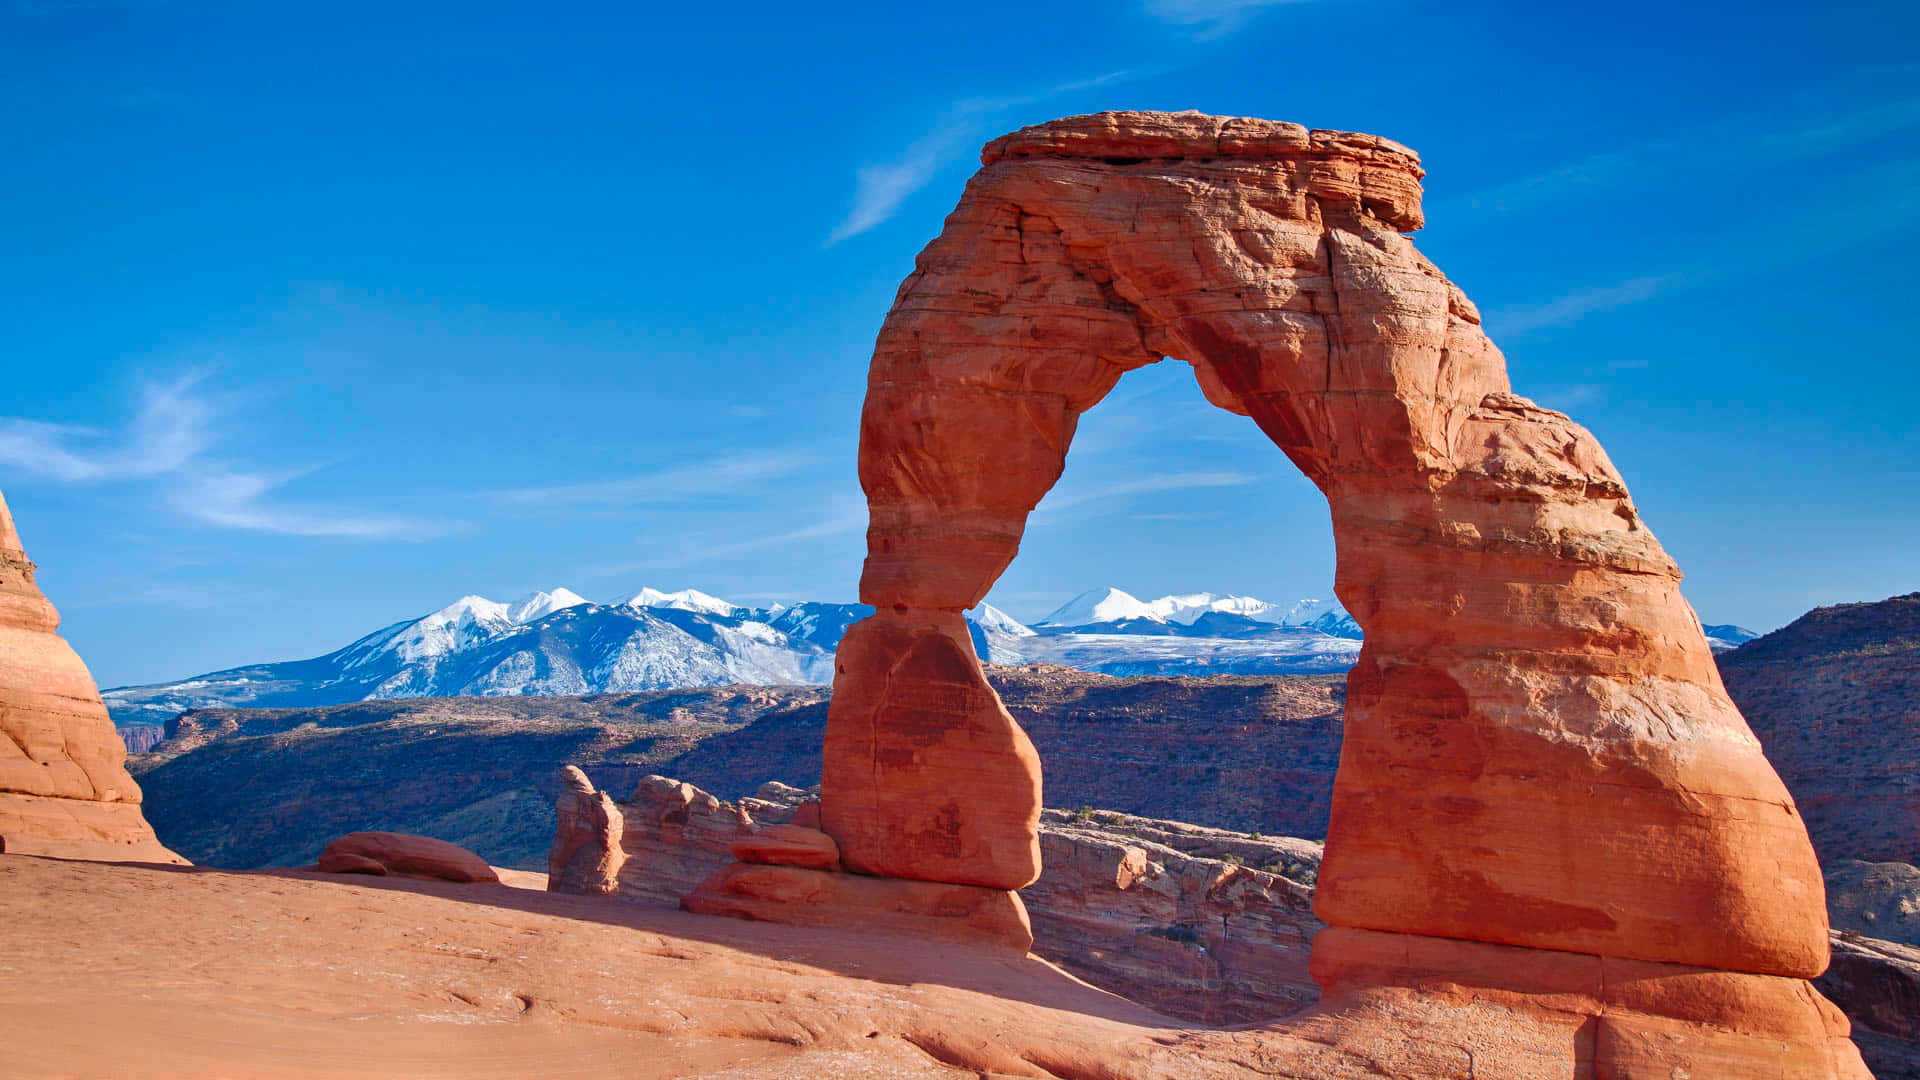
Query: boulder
{"points": [[405, 855], [788, 845], [819, 898], [346, 862]]}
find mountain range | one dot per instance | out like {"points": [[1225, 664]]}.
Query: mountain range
{"points": [[560, 643]]}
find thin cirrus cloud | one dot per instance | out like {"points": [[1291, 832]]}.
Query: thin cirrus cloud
{"points": [[1736, 144], [845, 515], [722, 475], [1144, 485], [1570, 307], [245, 500], [1208, 19], [170, 430], [167, 443], [879, 189], [1879, 207]]}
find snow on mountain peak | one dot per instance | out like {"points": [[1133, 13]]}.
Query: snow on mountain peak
{"points": [[992, 618], [1099, 606], [684, 600], [538, 605]]}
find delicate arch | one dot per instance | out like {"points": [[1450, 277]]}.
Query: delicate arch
{"points": [[1538, 749]]}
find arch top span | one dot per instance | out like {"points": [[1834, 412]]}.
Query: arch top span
{"points": [[1538, 751], [1335, 165]]}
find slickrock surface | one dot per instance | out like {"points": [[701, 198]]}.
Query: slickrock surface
{"points": [[1538, 750], [405, 856], [64, 786], [587, 854], [284, 974], [1835, 699]]}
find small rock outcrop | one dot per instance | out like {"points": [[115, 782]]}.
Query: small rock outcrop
{"points": [[64, 786], [587, 854], [405, 855], [1878, 984], [1205, 924]]}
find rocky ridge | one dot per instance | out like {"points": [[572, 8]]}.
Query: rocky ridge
{"points": [[1834, 697]]}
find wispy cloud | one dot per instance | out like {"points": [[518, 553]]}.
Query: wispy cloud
{"points": [[170, 429], [1879, 206], [1144, 485], [714, 476], [244, 500], [879, 189], [846, 514], [168, 442], [1737, 143], [1569, 308], [1209, 19]]}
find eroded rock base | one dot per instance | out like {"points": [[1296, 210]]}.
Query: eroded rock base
{"points": [[1627, 1018], [802, 897], [78, 829]]}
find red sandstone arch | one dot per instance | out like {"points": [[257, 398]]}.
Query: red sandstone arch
{"points": [[1538, 748]]}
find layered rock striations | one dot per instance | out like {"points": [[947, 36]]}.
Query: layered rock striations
{"points": [[1542, 778], [64, 787]]}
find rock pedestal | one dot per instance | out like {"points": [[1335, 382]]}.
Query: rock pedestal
{"points": [[1538, 751], [587, 851], [64, 788]]}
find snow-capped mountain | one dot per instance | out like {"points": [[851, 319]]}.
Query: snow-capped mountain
{"points": [[1096, 606], [684, 600], [1116, 609], [1724, 636], [557, 642]]}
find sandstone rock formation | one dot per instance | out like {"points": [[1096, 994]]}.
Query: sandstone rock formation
{"points": [[788, 845], [1203, 924], [64, 787], [587, 854], [1542, 779], [405, 855]]}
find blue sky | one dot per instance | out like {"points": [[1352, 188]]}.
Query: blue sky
{"points": [[313, 319]]}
